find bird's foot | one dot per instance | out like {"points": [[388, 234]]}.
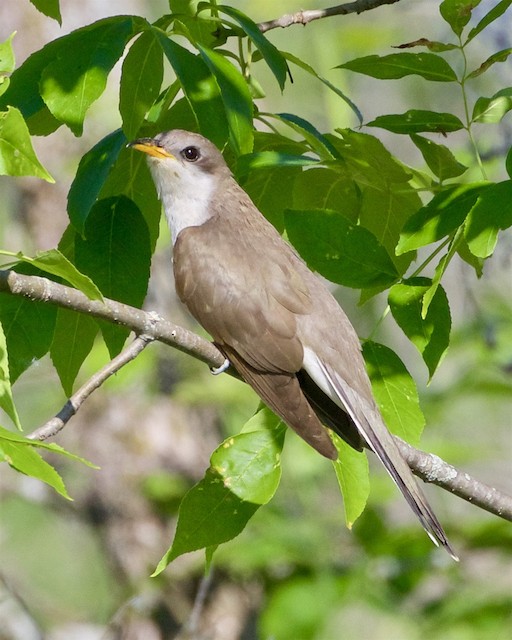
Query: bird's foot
{"points": [[223, 367]]}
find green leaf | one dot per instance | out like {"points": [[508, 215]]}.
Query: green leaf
{"points": [[200, 89], [270, 159], [337, 249], [244, 474], [489, 18], [141, 79], [499, 56], [384, 212], [492, 212], [270, 53], [440, 160], [6, 399], [327, 189], [398, 65], [429, 334], [353, 477], [72, 342], [21, 454], [7, 62], [417, 121], [466, 255], [236, 98], [91, 175], [440, 217], [116, 254], [28, 327], [49, 8], [270, 190], [52, 261], [457, 13], [17, 156], [26, 459], [71, 83], [508, 163], [130, 177], [493, 109], [395, 392], [319, 143], [309, 69]]}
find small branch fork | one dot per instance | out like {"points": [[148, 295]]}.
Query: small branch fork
{"points": [[149, 327], [304, 17]]}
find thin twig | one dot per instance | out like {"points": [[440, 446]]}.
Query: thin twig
{"points": [[303, 17], [425, 465], [57, 423]]}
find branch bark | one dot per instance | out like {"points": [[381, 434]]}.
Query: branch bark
{"points": [[57, 423], [304, 17], [150, 326]]}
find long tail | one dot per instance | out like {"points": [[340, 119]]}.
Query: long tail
{"points": [[374, 432]]}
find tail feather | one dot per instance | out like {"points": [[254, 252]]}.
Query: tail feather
{"points": [[374, 432]]}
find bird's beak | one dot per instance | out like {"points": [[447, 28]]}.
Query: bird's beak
{"points": [[151, 147]]}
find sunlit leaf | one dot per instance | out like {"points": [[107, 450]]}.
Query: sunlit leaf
{"points": [[417, 121], [17, 156], [353, 477], [492, 212], [395, 392], [398, 65], [429, 334], [244, 474], [6, 399]]}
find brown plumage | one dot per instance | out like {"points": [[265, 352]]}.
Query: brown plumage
{"points": [[275, 321]]}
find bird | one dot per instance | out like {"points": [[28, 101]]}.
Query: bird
{"points": [[274, 320]]}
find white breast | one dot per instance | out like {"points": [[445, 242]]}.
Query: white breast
{"points": [[185, 194]]}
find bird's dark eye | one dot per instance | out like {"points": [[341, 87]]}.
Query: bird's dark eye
{"points": [[190, 154]]}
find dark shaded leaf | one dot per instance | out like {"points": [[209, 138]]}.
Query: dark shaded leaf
{"points": [[28, 327], [90, 177], [116, 254], [49, 8]]}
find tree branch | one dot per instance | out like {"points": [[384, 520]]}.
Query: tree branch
{"points": [[141, 322], [430, 468], [303, 17], [150, 326], [56, 424]]}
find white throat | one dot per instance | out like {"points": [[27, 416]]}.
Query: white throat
{"points": [[185, 193]]}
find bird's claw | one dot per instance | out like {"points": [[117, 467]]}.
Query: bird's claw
{"points": [[223, 367]]}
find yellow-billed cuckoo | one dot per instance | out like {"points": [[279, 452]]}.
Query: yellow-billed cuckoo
{"points": [[273, 319]]}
